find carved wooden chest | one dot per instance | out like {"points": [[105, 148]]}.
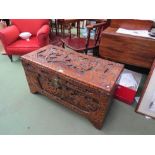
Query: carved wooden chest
{"points": [[82, 83]]}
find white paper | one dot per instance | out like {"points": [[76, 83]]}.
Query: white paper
{"points": [[140, 33], [128, 80]]}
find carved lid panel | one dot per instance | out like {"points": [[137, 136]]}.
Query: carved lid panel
{"points": [[93, 71]]}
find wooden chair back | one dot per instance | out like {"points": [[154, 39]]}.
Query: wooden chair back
{"points": [[99, 27]]}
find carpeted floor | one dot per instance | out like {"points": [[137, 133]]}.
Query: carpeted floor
{"points": [[24, 113]]}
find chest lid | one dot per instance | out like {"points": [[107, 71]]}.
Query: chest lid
{"points": [[95, 72]]}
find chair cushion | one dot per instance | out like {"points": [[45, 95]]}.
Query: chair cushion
{"points": [[78, 44], [21, 46]]}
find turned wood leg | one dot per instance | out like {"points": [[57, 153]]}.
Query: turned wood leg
{"points": [[56, 27], [10, 57], [86, 51], [61, 30], [96, 52], [63, 45]]}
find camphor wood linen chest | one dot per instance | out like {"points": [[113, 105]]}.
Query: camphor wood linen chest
{"points": [[82, 83]]}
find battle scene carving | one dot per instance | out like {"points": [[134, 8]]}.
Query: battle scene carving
{"points": [[80, 63], [68, 92]]}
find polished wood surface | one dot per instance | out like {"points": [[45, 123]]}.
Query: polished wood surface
{"points": [[82, 83], [131, 24], [128, 49]]}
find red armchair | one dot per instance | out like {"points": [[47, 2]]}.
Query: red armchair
{"points": [[14, 45]]}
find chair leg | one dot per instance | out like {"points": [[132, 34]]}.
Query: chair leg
{"points": [[10, 56], [96, 52], [86, 51], [63, 45]]}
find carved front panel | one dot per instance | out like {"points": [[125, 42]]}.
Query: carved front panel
{"points": [[69, 93], [66, 90]]}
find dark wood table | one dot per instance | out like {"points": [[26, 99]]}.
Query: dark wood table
{"points": [[66, 22], [128, 49], [82, 83]]}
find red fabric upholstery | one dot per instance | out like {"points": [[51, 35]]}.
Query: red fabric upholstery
{"points": [[13, 44], [20, 46], [29, 25], [42, 35], [9, 34]]}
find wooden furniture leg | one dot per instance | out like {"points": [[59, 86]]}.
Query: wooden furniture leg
{"points": [[10, 57]]}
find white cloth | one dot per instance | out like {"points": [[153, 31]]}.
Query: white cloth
{"points": [[25, 35], [128, 80]]}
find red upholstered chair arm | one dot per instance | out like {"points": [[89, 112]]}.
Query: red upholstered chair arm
{"points": [[43, 34], [45, 29], [9, 34]]}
